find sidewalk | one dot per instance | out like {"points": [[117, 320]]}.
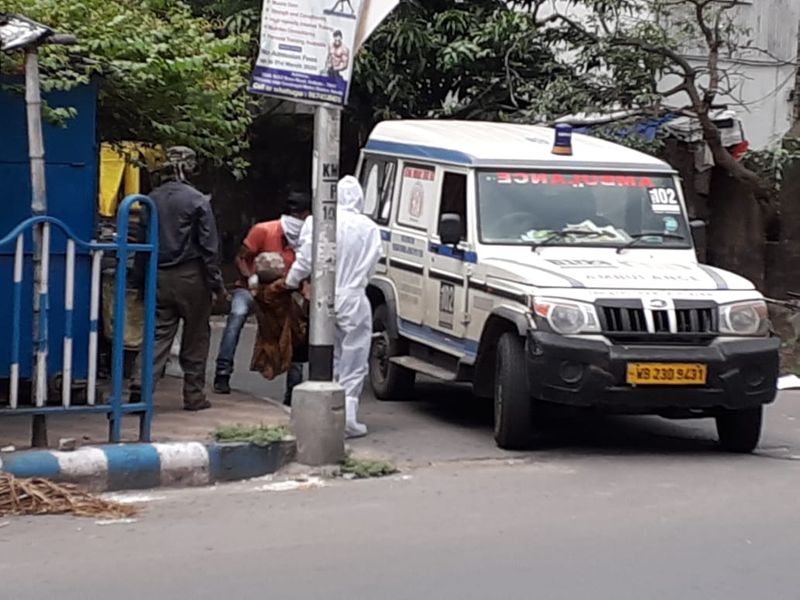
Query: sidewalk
{"points": [[182, 452], [170, 424]]}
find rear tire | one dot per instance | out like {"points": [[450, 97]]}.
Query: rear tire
{"points": [[389, 381], [740, 430], [512, 399]]}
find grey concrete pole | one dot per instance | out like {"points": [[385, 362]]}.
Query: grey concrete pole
{"points": [[318, 406], [327, 122], [33, 105]]}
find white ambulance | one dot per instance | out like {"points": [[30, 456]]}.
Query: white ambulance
{"points": [[547, 268]]}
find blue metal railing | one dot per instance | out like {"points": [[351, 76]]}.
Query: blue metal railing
{"points": [[115, 407]]}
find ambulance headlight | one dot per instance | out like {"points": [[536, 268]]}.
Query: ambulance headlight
{"points": [[744, 318], [566, 316]]}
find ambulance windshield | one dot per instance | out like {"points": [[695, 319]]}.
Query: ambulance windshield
{"points": [[592, 209]]}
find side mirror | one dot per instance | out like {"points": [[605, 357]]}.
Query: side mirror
{"points": [[698, 231], [450, 229]]}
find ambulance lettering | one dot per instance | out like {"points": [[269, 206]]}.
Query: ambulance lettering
{"points": [[581, 263], [576, 180]]}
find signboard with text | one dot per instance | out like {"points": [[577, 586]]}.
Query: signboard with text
{"points": [[307, 50], [417, 196]]}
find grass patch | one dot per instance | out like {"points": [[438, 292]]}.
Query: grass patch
{"points": [[253, 434], [366, 469]]}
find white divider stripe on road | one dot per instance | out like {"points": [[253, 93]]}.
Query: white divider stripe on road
{"points": [[183, 463]]}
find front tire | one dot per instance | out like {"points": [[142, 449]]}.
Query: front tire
{"points": [[512, 399], [740, 430], [389, 381]]}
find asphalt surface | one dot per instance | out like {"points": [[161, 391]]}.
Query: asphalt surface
{"points": [[612, 509], [591, 525], [444, 423]]}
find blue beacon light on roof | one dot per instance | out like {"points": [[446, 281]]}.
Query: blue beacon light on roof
{"points": [[563, 141]]}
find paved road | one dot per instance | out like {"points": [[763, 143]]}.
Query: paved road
{"points": [[616, 509], [444, 424], [646, 525]]}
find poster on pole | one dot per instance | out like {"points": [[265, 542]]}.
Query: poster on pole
{"points": [[307, 50]]}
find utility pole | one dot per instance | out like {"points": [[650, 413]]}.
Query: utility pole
{"points": [[41, 240], [327, 127], [41, 234], [318, 406]]}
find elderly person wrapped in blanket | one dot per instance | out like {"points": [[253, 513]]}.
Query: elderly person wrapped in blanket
{"points": [[282, 317]]}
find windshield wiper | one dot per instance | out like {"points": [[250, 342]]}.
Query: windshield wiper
{"points": [[560, 235], [638, 237]]}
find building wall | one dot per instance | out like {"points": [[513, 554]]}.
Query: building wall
{"points": [[764, 87], [764, 98]]}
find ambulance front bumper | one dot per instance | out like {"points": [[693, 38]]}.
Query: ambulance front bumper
{"points": [[742, 373]]}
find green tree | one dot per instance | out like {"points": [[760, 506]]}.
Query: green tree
{"points": [[469, 60], [636, 43], [657, 38], [165, 75]]}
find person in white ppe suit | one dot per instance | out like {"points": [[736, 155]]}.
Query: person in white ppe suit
{"points": [[358, 249]]}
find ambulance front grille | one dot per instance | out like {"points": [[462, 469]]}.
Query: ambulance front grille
{"points": [[687, 322], [618, 319]]}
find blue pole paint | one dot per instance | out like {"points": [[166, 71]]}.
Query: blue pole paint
{"points": [[15, 329], [118, 343], [115, 409], [151, 288], [151, 281]]}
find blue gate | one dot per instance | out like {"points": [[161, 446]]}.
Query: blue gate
{"points": [[38, 404]]}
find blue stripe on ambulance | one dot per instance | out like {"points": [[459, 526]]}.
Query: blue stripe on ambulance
{"points": [[451, 156], [449, 251]]}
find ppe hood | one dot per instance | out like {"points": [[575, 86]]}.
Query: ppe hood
{"points": [[349, 194]]}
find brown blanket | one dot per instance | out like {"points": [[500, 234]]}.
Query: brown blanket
{"points": [[282, 329]]}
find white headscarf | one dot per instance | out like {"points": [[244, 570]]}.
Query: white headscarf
{"points": [[291, 229]]}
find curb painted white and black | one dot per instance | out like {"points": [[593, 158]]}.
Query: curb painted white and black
{"points": [[144, 466]]}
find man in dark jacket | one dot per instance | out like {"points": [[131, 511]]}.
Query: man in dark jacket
{"points": [[189, 278]]}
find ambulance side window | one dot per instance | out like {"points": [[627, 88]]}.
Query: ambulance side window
{"points": [[377, 179], [387, 192], [454, 199]]}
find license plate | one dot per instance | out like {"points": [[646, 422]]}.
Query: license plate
{"points": [[667, 374]]}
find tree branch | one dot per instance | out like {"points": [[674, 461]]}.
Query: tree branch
{"points": [[701, 102]]}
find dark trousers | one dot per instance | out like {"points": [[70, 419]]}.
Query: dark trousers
{"points": [[183, 295]]}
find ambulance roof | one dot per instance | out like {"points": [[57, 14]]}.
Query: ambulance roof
{"points": [[486, 144]]}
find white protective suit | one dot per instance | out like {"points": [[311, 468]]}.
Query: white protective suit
{"points": [[358, 249]]}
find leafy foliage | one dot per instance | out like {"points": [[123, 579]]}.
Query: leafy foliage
{"points": [[641, 41], [166, 76], [233, 16], [356, 468], [469, 60], [254, 434], [771, 164]]}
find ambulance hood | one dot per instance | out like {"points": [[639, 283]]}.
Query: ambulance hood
{"points": [[610, 271]]}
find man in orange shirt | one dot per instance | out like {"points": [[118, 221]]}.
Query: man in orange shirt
{"points": [[281, 236]]}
